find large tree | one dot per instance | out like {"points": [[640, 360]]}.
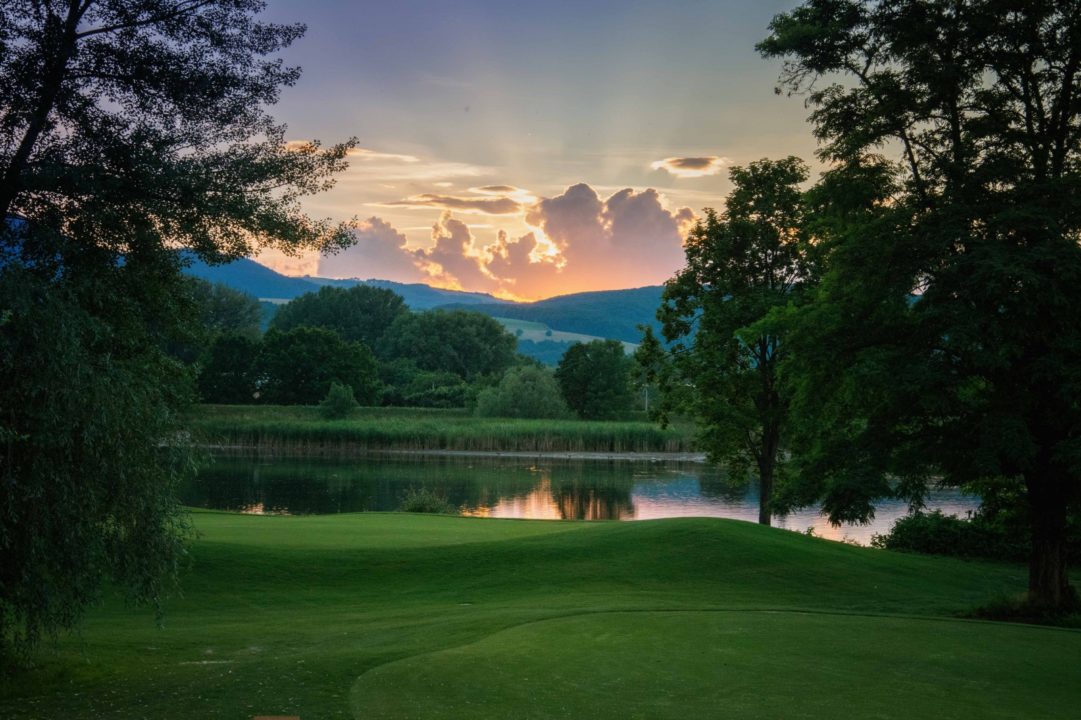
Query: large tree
{"points": [[362, 313], [468, 344], [595, 378], [129, 130], [299, 366], [945, 343], [740, 265]]}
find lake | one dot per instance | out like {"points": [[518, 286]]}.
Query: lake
{"points": [[512, 487]]}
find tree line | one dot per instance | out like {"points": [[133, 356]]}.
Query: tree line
{"points": [[366, 339]]}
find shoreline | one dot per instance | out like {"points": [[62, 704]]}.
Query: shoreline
{"points": [[687, 457]]}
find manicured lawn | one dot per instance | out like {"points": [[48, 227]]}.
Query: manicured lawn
{"points": [[387, 615]]}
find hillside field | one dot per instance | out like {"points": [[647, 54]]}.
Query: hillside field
{"points": [[403, 616], [539, 332]]}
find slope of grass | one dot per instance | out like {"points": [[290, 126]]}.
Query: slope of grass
{"points": [[296, 429], [539, 332], [388, 615]]}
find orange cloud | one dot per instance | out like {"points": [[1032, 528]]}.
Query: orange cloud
{"points": [[579, 241]]}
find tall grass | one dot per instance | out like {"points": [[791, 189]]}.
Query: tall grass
{"points": [[300, 429]]}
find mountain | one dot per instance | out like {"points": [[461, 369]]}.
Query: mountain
{"points": [[418, 295], [266, 284], [612, 314], [545, 328], [252, 278]]}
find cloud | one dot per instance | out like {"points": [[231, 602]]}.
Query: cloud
{"points": [[454, 259], [690, 167], [580, 242], [481, 205], [366, 154], [379, 252], [496, 190]]}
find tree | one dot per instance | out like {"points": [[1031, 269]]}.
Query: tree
{"points": [[221, 309], [944, 344], [739, 266], [361, 313], [228, 371], [298, 367], [129, 130], [527, 391], [339, 402], [650, 363], [467, 344], [595, 379]]}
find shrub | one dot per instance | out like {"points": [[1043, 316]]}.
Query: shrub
{"points": [[524, 392], [426, 501], [339, 402], [937, 534]]}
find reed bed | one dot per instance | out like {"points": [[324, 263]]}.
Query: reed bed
{"points": [[301, 430]]}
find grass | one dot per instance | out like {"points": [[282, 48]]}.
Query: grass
{"points": [[302, 429], [539, 332], [399, 615]]}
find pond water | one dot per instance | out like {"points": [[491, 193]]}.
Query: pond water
{"points": [[510, 487]]}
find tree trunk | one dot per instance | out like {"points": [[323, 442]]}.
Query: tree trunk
{"points": [[1048, 579], [765, 483]]}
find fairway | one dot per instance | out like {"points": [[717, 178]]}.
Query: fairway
{"points": [[389, 615], [734, 664]]}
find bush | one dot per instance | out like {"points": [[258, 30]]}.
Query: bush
{"points": [[524, 392], [937, 534], [339, 402], [426, 501]]}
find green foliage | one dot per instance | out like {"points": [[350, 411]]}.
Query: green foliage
{"points": [[523, 392], [467, 344], [361, 313], [132, 130], [595, 379], [298, 367], [945, 340], [404, 384], [984, 535], [339, 402], [740, 265], [86, 482], [426, 501], [228, 371], [221, 309]]}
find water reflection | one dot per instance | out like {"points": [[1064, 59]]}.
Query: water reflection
{"points": [[511, 488]]}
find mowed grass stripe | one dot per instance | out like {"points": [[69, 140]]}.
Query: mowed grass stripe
{"points": [[281, 615]]}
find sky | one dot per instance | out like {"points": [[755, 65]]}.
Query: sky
{"points": [[530, 149]]}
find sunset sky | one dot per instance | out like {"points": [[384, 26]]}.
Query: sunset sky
{"points": [[531, 149]]}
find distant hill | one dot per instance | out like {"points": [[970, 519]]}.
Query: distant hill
{"points": [[612, 314], [266, 284], [545, 328]]}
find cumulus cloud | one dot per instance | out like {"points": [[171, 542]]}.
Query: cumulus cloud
{"points": [[579, 241], [690, 167], [380, 252], [454, 259], [483, 205]]}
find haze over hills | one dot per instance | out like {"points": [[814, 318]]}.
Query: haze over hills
{"points": [[545, 328]]}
